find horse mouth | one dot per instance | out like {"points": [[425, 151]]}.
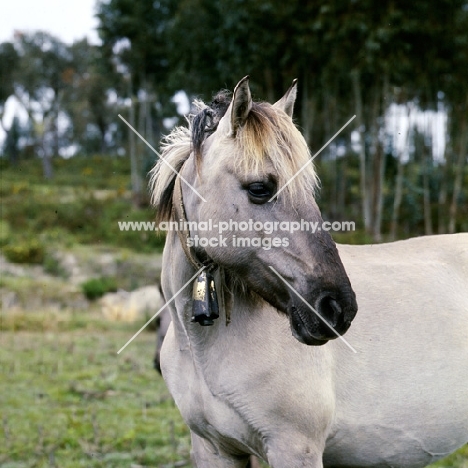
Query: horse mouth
{"points": [[313, 331], [300, 331]]}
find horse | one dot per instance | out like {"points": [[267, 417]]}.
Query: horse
{"points": [[255, 356]]}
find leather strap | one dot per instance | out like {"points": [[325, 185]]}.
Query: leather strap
{"points": [[178, 214]]}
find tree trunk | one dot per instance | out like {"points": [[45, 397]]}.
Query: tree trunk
{"points": [[459, 172], [397, 198], [378, 196], [308, 108], [46, 157], [331, 166], [442, 199], [47, 168], [149, 134], [55, 122], [380, 163], [398, 192], [375, 156], [142, 149], [135, 173], [342, 187], [362, 151], [333, 116], [427, 192]]}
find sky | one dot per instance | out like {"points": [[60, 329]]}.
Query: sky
{"points": [[67, 19]]}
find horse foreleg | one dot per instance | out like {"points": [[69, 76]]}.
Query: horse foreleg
{"points": [[307, 461], [294, 456], [164, 321], [205, 455], [253, 462]]}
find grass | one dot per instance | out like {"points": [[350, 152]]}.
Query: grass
{"points": [[68, 400], [81, 204], [457, 460], [34, 293]]}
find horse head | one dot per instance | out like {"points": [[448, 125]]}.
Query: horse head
{"points": [[245, 170]]}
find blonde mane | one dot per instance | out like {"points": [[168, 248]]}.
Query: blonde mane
{"points": [[268, 135], [175, 150]]}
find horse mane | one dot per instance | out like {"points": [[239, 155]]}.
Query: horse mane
{"points": [[268, 134], [177, 146], [207, 120]]}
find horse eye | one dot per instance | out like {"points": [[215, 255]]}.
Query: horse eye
{"points": [[259, 192]]}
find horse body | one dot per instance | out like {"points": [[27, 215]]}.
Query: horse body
{"points": [[212, 394], [402, 400], [253, 386]]}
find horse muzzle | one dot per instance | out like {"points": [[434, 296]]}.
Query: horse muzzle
{"points": [[326, 320]]}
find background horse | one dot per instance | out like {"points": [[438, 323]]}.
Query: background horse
{"points": [[248, 384]]}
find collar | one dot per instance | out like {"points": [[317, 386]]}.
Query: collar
{"points": [[205, 308], [179, 214]]}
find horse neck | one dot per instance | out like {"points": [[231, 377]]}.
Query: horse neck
{"points": [[198, 339], [256, 335]]}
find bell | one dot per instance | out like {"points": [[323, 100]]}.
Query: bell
{"points": [[205, 301], [213, 299]]}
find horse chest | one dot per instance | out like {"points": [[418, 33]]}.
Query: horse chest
{"points": [[207, 412], [249, 406]]}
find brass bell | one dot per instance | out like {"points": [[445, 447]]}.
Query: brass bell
{"points": [[213, 299], [205, 301]]}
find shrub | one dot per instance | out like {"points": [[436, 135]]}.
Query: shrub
{"points": [[5, 232], [57, 236], [54, 267], [27, 251], [95, 288]]}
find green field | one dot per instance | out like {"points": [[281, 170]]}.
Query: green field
{"points": [[68, 400], [80, 205]]}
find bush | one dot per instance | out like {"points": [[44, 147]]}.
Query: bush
{"points": [[95, 288], [53, 266], [71, 208], [28, 251], [5, 232], [57, 236]]}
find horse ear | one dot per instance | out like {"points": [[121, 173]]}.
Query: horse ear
{"points": [[241, 105], [286, 103]]}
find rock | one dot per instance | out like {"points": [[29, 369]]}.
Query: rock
{"points": [[9, 300], [126, 306], [114, 305], [70, 263], [107, 264]]}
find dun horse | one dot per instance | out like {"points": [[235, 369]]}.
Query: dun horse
{"points": [[247, 382]]}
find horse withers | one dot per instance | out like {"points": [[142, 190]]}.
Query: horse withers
{"points": [[248, 384]]}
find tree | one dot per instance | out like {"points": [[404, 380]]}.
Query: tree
{"points": [[90, 81], [8, 63], [455, 90], [12, 141], [135, 35], [40, 83]]}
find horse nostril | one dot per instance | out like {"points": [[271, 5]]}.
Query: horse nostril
{"points": [[329, 309]]}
